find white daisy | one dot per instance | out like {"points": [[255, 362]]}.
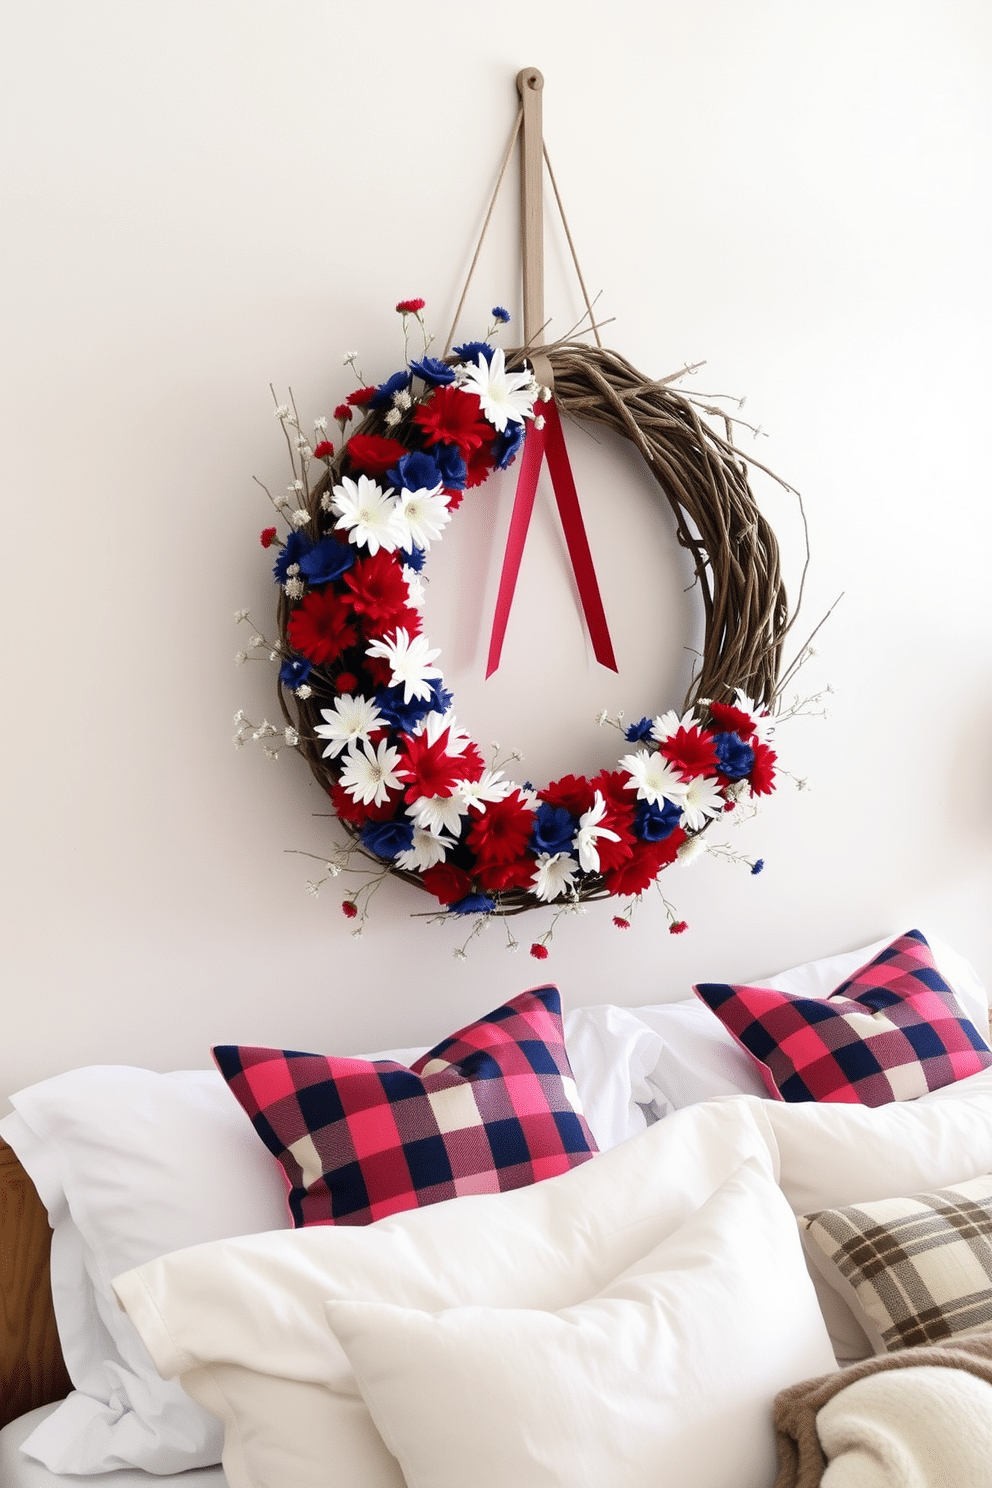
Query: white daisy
{"points": [[653, 777], [416, 593], [368, 773], [667, 725], [409, 661], [352, 718], [368, 513], [554, 875], [425, 515], [436, 814], [434, 726], [426, 849], [691, 849], [504, 396], [763, 722], [589, 833], [703, 799], [475, 795]]}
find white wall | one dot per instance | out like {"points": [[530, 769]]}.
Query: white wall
{"points": [[203, 196]]}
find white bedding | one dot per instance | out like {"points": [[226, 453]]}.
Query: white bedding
{"points": [[18, 1471]]}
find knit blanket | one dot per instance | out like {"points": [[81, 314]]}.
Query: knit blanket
{"points": [[916, 1418]]}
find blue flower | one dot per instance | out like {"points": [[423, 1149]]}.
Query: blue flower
{"points": [[433, 371], [294, 671], [473, 904], [296, 546], [503, 316], [654, 823], [757, 866], [327, 561], [451, 465], [414, 558], [416, 471], [383, 396], [554, 829], [508, 444], [736, 759], [389, 838], [472, 350], [638, 731], [406, 716]]}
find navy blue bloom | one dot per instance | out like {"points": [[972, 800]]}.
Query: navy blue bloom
{"points": [[736, 759], [472, 350], [554, 829], [433, 371], [655, 823], [452, 466], [503, 316], [296, 546], [414, 558], [473, 904], [294, 671], [638, 731], [389, 838], [416, 471], [327, 561], [406, 716], [383, 396], [757, 866], [507, 444]]}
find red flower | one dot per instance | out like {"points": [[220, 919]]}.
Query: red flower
{"points": [[539, 951], [479, 466], [267, 536], [361, 396], [731, 720], [516, 875], [349, 908], [453, 417], [690, 751], [447, 883], [646, 861], [344, 413], [378, 587], [431, 770], [356, 812], [502, 832], [472, 762], [762, 776], [612, 786], [621, 923], [410, 307], [379, 670], [324, 450], [455, 499], [677, 926], [320, 629], [572, 791], [373, 454], [345, 681]]}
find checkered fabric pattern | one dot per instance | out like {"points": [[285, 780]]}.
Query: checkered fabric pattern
{"points": [[892, 1032], [491, 1108], [916, 1270]]}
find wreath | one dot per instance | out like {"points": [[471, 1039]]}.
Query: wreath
{"points": [[364, 700]]}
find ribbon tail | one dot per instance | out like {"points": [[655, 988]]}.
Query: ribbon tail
{"points": [[575, 536], [523, 506]]}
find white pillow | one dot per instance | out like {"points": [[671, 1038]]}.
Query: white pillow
{"points": [[698, 1059], [549, 1246], [676, 1362]]}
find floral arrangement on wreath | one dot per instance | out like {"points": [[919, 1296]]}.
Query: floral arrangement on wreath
{"points": [[372, 714]]}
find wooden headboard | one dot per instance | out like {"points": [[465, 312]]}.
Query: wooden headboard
{"points": [[32, 1370]]}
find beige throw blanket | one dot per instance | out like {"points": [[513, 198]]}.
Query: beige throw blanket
{"points": [[801, 1457]]}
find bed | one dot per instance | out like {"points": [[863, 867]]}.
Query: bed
{"points": [[371, 1346]]}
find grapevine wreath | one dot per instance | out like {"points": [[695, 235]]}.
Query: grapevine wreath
{"points": [[365, 702]]}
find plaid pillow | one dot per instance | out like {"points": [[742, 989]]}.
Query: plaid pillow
{"points": [[493, 1107], [893, 1031], [912, 1270]]}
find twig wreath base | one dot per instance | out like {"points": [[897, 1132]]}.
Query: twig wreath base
{"points": [[684, 771]]}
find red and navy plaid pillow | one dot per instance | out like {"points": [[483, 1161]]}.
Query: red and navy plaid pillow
{"points": [[892, 1032], [491, 1108]]}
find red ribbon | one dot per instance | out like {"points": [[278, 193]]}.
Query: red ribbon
{"points": [[550, 441]]}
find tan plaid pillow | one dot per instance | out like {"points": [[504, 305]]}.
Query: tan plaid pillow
{"points": [[911, 1270]]}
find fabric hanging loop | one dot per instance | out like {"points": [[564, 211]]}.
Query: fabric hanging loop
{"points": [[545, 437]]}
